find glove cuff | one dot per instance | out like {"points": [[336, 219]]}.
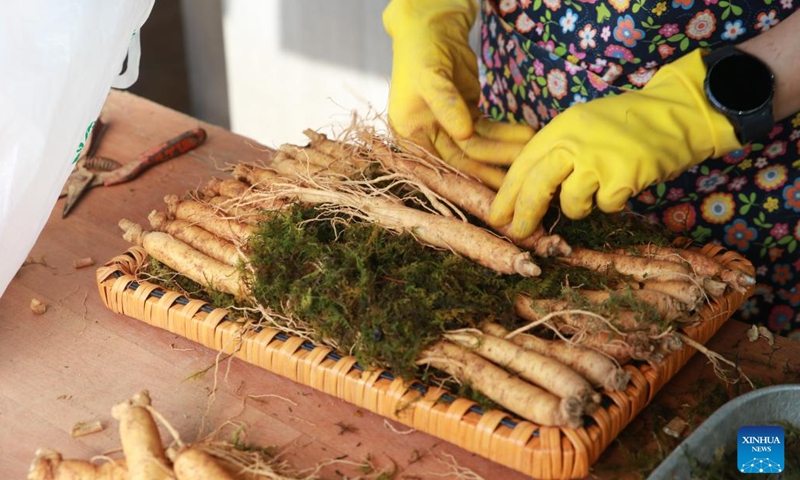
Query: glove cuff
{"points": [[692, 71], [408, 14]]}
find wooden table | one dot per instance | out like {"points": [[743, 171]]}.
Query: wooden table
{"points": [[78, 359]]}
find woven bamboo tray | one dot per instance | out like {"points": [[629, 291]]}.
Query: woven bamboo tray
{"points": [[539, 451]]}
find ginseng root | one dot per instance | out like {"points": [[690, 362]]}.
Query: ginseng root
{"points": [[595, 367], [688, 293], [206, 217], [198, 238], [580, 318], [323, 154], [247, 213], [257, 177], [236, 200], [555, 377], [229, 187], [353, 154], [638, 268], [667, 307], [49, 465], [141, 441], [518, 396], [700, 264], [184, 259], [611, 344], [194, 464], [471, 195]]}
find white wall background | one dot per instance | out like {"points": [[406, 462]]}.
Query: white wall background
{"points": [[296, 64]]}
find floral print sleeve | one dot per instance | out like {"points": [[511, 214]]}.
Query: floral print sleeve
{"points": [[539, 57]]}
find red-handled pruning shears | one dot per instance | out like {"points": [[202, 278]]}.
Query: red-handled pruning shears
{"points": [[82, 178]]}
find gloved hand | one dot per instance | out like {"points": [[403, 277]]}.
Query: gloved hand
{"points": [[614, 147], [433, 99]]}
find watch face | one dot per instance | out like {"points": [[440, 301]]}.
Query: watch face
{"points": [[740, 83]]}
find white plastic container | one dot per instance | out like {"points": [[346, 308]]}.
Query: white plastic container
{"points": [[58, 61]]}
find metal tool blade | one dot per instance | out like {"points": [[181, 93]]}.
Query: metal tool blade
{"points": [[77, 185]]}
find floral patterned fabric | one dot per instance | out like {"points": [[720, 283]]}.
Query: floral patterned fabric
{"points": [[541, 56]]}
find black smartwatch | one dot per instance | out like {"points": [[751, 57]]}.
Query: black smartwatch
{"points": [[741, 87]]}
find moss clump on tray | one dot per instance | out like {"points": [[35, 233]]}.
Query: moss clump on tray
{"points": [[380, 295], [383, 296], [600, 231]]}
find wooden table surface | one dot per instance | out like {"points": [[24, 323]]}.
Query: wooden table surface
{"points": [[78, 359]]}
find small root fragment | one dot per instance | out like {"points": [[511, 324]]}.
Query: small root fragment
{"points": [[37, 306], [83, 263], [766, 333], [460, 472], [86, 428], [675, 427]]}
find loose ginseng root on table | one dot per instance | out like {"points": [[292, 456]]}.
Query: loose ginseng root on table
{"points": [[146, 458], [386, 255]]}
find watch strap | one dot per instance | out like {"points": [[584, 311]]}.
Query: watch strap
{"points": [[754, 126]]}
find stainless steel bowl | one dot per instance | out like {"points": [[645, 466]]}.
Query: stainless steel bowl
{"points": [[760, 407]]}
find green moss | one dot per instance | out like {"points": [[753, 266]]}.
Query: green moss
{"points": [[238, 442], [368, 288], [555, 275], [599, 230]]}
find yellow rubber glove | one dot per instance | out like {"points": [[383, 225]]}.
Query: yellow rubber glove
{"points": [[433, 99], [612, 148]]}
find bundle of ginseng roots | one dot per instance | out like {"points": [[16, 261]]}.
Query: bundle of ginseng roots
{"points": [[146, 458], [546, 361]]}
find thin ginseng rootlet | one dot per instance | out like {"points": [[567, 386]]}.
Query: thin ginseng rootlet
{"points": [[384, 254]]}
